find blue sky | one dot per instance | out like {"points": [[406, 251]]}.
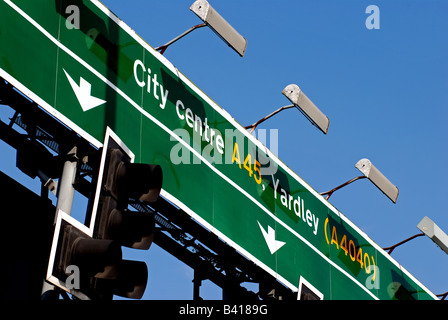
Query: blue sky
{"points": [[385, 91]]}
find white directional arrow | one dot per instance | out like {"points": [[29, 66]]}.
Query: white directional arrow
{"points": [[83, 93], [269, 236]]}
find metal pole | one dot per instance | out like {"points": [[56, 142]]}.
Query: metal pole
{"points": [[66, 192], [197, 281]]}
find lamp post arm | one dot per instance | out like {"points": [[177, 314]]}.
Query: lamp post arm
{"points": [[442, 295], [391, 248], [253, 126], [329, 193], [166, 45]]}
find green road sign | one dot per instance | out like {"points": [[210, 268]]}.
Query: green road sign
{"points": [[87, 68]]}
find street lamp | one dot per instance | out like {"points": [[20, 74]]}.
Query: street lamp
{"points": [[217, 23], [429, 228], [375, 176], [303, 104], [378, 179], [307, 107]]}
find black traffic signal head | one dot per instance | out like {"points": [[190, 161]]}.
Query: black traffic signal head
{"points": [[101, 272], [124, 180], [95, 250], [76, 256], [120, 180], [130, 229], [94, 257], [130, 283]]}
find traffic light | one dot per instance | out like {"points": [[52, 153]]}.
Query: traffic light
{"points": [[121, 181], [94, 249], [96, 258], [77, 260]]}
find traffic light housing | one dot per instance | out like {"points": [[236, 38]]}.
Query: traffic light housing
{"points": [[77, 260], [95, 257], [94, 248], [119, 182]]}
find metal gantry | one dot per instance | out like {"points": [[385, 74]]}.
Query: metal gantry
{"points": [[38, 135]]}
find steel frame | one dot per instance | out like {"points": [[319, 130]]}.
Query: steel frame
{"points": [[176, 232]]}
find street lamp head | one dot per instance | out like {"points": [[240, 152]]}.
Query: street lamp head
{"points": [[308, 108], [429, 228], [218, 24], [378, 179]]}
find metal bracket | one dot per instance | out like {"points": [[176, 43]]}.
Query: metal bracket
{"points": [[166, 45]]}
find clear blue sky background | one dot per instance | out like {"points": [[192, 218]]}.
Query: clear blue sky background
{"points": [[385, 92]]}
